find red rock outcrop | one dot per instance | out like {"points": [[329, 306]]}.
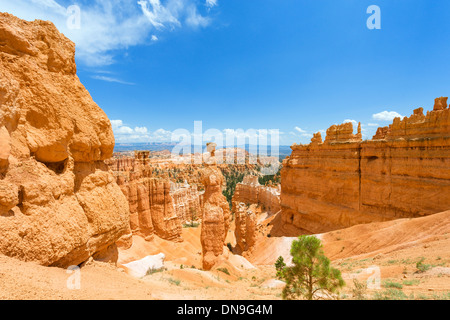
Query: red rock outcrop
{"points": [[216, 217], [59, 203], [251, 192], [341, 133], [403, 172]]}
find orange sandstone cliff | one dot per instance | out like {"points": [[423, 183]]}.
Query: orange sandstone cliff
{"points": [[404, 171], [59, 203]]}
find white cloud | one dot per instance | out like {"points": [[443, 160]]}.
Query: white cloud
{"points": [[141, 130], [111, 79], [300, 130], [124, 130], [124, 133], [116, 123], [154, 38], [302, 136], [211, 3], [373, 124], [196, 20], [120, 129], [160, 16], [386, 116], [107, 26], [355, 123], [306, 135]]}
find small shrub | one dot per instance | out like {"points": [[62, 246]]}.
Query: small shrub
{"points": [[279, 266], [151, 271], [224, 270], [392, 284], [359, 290], [390, 294], [191, 225], [175, 282], [411, 282], [230, 247], [422, 267]]}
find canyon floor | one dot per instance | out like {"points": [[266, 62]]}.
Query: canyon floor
{"points": [[394, 247]]}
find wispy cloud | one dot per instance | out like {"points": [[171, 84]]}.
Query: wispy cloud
{"points": [[162, 16], [301, 135], [211, 3], [107, 26], [194, 19], [300, 130], [111, 79]]}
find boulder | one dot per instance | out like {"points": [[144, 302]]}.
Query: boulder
{"points": [[140, 268]]}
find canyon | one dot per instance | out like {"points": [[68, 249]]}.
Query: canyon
{"points": [[67, 199]]}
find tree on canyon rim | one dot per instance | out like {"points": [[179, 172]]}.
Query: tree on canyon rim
{"points": [[311, 275]]}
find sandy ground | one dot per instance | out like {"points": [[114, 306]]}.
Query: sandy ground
{"points": [[388, 249], [26, 280], [182, 278]]}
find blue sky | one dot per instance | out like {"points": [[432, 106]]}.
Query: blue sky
{"points": [[294, 65]]}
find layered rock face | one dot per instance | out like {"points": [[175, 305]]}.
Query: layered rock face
{"points": [[59, 203], [403, 172], [251, 192], [158, 206], [152, 209], [246, 228], [187, 202], [216, 217]]}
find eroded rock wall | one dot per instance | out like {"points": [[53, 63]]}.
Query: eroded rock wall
{"points": [[404, 171], [153, 209], [158, 206], [59, 203], [251, 192], [187, 202], [246, 228]]}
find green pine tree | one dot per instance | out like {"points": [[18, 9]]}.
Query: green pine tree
{"points": [[311, 273]]}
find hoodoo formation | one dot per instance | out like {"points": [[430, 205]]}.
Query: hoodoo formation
{"points": [[216, 217], [404, 171], [59, 204], [157, 205]]}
